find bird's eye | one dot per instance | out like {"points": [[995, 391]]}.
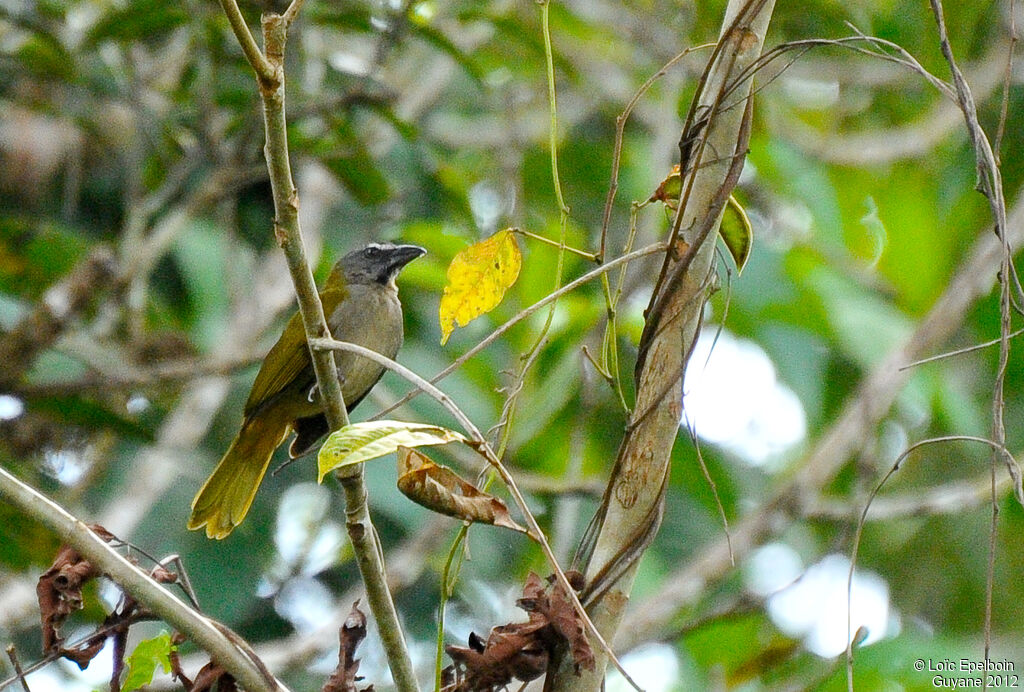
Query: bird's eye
{"points": [[372, 251]]}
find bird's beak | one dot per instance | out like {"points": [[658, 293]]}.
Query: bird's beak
{"points": [[401, 255]]}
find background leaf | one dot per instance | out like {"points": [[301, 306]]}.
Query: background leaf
{"points": [[142, 662]]}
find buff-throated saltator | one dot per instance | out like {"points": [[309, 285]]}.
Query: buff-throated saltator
{"points": [[365, 310]]}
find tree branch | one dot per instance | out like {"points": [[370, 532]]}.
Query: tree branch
{"points": [[713, 147], [365, 542], [200, 629]]}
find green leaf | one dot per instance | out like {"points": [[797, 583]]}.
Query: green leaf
{"points": [[44, 56], [443, 44], [141, 20], [34, 255], [201, 250], [361, 442], [347, 157], [143, 661], [737, 233]]}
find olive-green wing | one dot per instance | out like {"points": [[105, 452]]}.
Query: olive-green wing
{"points": [[288, 357]]}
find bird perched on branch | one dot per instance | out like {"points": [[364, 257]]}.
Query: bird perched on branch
{"points": [[361, 304]]}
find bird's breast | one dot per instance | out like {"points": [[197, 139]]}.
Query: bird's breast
{"points": [[370, 316]]}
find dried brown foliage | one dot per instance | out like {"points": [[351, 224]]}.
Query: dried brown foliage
{"points": [[345, 676], [522, 650]]}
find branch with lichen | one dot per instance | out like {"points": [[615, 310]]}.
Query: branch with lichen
{"points": [[712, 149]]}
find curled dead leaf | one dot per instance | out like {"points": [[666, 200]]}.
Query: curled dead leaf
{"points": [[522, 650], [440, 489], [345, 676], [59, 589]]}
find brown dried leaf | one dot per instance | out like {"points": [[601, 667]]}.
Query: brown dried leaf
{"points": [[511, 651], [59, 591], [352, 632], [567, 622], [442, 490], [521, 650], [210, 675]]}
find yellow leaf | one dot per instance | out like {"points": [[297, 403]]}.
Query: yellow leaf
{"points": [[477, 280]]}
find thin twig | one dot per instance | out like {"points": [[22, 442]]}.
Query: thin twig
{"points": [[950, 498], [554, 243], [12, 654], [998, 448], [1004, 105], [292, 11], [264, 70], [620, 128], [960, 351], [989, 183]]}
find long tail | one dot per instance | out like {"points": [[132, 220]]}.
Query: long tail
{"points": [[225, 498]]}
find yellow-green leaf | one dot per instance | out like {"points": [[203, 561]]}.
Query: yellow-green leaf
{"points": [[361, 442], [737, 233], [477, 280], [669, 189], [143, 661]]}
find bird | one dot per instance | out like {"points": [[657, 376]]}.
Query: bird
{"points": [[360, 300]]}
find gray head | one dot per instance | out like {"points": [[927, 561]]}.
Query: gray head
{"points": [[378, 262]]}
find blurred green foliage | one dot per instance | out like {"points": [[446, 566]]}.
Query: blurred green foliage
{"points": [[138, 126]]}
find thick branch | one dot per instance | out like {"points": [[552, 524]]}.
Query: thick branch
{"points": [[633, 503]]}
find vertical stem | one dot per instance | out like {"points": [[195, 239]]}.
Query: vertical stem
{"points": [[365, 542]]}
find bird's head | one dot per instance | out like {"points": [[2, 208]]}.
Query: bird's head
{"points": [[378, 262]]}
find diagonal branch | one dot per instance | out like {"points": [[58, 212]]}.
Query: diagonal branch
{"points": [[264, 70], [206, 633]]}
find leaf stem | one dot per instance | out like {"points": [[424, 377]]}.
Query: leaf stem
{"points": [[582, 253]]}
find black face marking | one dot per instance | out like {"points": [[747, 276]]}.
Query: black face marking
{"points": [[378, 262]]}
